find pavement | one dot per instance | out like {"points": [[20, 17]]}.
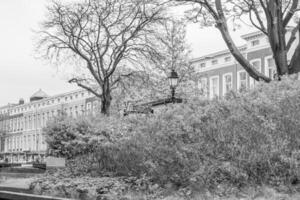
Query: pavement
{"points": [[17, 180], [16, 184]]}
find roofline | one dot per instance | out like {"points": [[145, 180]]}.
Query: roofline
{"points": [[251, 35], [44, 99], [259, 33], [218, 53]]}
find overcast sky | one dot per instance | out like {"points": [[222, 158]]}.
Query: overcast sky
{"points": [[21, 74]]}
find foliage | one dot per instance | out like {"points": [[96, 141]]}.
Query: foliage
{"points": [[249, 137], [67, 137]]}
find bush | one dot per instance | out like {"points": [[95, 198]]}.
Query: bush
{"points": [[247, 137], [68, 137]]}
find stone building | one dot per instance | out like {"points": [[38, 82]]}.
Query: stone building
{"points": [[21, 124], [219, 72]]}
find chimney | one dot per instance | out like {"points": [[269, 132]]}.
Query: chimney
{"points": [[21, 101]]}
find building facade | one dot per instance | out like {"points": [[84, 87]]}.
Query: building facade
{"points": [[219, 73], [22, 139]]}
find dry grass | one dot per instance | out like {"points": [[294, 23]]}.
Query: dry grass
{"points": [[263, 193]]}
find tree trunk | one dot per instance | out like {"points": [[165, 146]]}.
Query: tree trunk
{"points": [[294, 66], [105, 105], [276, 36], [106, 98], [222, 26]]}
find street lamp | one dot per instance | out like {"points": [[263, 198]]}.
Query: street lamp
{"points": [[173, 82]]}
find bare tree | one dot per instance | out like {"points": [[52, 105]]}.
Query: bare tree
{"points": [[174, 55], [104, 36], [171, 52], [271, 17]]}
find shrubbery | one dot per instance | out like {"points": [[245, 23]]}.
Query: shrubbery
{"points": [[251, 137]]}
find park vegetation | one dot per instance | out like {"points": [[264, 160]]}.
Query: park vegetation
{"points": [[248, 138]]}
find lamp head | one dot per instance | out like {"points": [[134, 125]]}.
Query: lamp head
{"points": [[173, 79]]}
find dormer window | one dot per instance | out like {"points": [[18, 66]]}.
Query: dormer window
{"points": [[214, 62], [255, 43], [202, 65], [227, 59]]}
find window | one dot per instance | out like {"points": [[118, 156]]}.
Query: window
{"points": [[88, 106], [21, 143], [227, 83], [95, 104], [255, 43], [270, 67], [257, 65], [242, 80], [26, 123], [82, 109], [29, 142], [38, 121], [214, 62], [66, 98], [214, 86], [29, 123], [227, 59], [202, 65], [43, 120], [76, 111], [203, 87], [33, 142]]}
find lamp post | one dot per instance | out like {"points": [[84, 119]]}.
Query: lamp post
{"points": [[173, 82]]}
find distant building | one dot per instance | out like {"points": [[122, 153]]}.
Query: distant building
{"points": [[219, 72], [21, 124]]}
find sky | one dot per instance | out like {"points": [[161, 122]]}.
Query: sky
{"points": [[22, 74]]}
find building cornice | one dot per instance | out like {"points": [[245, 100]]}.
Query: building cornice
{"points": [[217, 54]]}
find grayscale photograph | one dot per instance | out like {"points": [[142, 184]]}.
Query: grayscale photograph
{"points": [[150, 100]]}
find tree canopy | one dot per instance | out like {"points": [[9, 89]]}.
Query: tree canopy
{"points": [[106, 37]]}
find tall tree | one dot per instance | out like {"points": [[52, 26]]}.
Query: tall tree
{"points": [[172, 53], [103, 36], [271, 17]]}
